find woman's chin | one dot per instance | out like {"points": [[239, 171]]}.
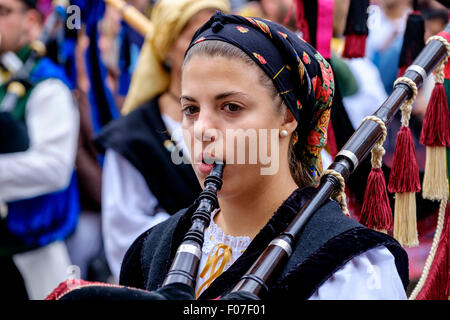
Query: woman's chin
{"points": [[235, 179]]}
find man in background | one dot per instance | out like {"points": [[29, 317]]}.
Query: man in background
{"points": [[38, 186]]}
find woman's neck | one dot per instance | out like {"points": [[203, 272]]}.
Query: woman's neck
{"points": [[247, 214]]}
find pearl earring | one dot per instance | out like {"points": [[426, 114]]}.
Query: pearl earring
{"points": [[283, 133]]}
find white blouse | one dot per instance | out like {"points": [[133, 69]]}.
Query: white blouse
{"points": [[46, 166], [370, 276]]}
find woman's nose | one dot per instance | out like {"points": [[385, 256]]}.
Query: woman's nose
{"points": [[205, 128]]}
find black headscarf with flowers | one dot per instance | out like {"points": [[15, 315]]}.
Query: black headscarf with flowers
{"points": [[302, 77]]}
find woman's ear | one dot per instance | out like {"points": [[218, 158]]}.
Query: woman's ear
{"points": [[289, 121]]}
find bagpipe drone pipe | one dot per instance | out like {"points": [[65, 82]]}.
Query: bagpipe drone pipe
{"points": [[13, 131]]}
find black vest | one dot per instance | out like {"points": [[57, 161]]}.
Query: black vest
{"points": [[328, 241]]}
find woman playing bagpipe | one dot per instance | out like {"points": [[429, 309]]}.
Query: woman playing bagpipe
{"points": [[253, 76]]}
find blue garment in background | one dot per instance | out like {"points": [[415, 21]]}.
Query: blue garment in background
{"points": [[387, 63], [49, 217]]}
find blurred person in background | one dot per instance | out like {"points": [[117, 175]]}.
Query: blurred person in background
{"points": [[385, 39], [38, 186], [85, 245], [435, 21]]}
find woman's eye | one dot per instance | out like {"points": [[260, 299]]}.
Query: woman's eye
{"points": [[230, 107], [190, 110]]}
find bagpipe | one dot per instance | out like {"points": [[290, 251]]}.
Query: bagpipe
{"points": [[179, 283], [20, 82], [132, 16]]}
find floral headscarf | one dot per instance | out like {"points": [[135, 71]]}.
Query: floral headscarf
{"points": [[302, 77]]}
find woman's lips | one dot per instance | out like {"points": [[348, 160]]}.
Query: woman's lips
{"points": [[205, 162], [205, 168]]}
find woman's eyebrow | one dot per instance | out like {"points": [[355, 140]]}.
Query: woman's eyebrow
{"points": [[188, 98], [217, 97], [228, 94]]}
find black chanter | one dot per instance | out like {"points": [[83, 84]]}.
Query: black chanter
{"points": [[184, 268], [13, 132], [254, 283]]}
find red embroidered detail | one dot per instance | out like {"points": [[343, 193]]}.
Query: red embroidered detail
{"points": [[306, 58], [68, 286], [242, 29], [284, 35], [260, 58], [199, 40]]}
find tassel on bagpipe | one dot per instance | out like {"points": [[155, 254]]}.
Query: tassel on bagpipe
{"points": [[253, 285], [179, 283]]}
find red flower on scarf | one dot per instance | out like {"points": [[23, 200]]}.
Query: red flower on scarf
{"points": [[314, 138], [306, 58], [264, 27], [242, 29], [199, 40], [260, 58], [284, 35], [327, 78], [325, 93], [314, 82], [317, 85], [326, 81]]}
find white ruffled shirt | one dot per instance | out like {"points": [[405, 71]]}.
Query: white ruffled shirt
{"points": [[369, 276]]}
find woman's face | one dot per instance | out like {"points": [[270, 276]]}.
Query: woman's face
{"points": [[227, 116]]}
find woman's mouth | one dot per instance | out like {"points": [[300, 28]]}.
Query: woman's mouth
{"points": [[205, 167], [206, 163]]}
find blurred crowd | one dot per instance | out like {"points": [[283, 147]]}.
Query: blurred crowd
{"points": [[81, 144]]}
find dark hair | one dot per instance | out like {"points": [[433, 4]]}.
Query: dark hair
{"points": [[31, 4], [432, 14], [216, 48]]}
